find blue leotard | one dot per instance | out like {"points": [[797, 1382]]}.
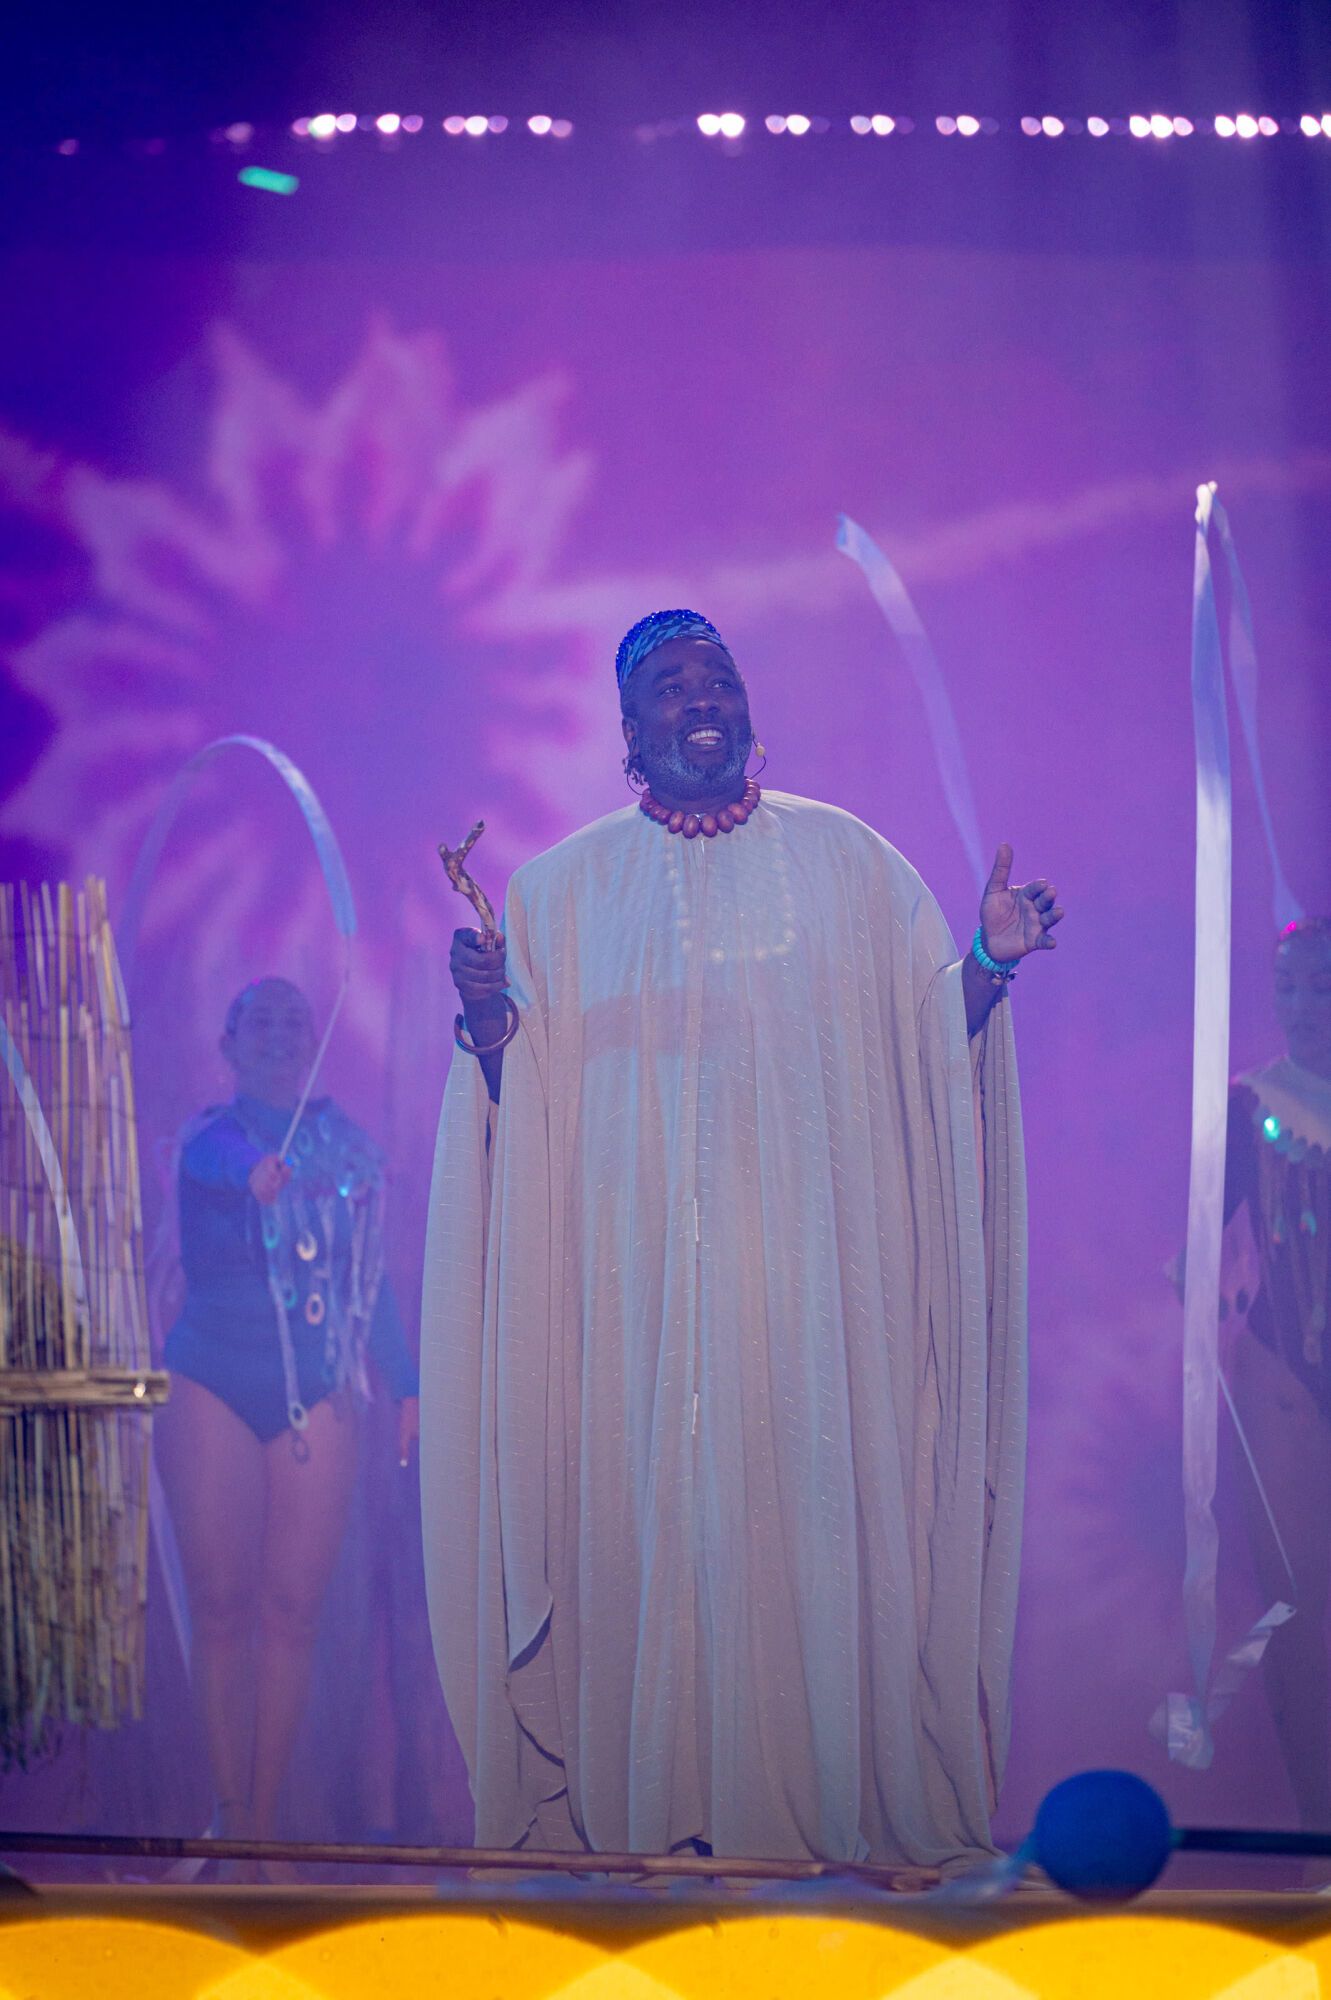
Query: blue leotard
{"points": [[312, 1247]]}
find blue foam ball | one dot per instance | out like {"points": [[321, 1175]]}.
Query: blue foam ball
{"points": [[1104, 1836]]}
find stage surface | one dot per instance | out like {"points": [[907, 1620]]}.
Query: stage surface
{"points": [[132, 1942]]}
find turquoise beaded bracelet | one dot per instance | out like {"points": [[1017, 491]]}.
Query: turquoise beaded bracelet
{"points": [[1004, 969]]}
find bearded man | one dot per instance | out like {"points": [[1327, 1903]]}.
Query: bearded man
{"points": [[723, 1371]]}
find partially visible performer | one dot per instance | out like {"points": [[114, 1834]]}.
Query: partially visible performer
{"points": [[1278, 1167], [724, 1324], [282, 1262]]}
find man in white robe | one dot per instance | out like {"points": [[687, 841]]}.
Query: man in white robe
{"points": [[723, 1368]]}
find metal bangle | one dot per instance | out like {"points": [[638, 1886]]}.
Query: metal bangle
{"points": [[490, 1048], [1001, 969]]}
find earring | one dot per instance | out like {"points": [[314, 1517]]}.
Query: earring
{"points": [[762, 754]]}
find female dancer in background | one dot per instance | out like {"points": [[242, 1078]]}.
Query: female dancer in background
{"points": [[1279, 1166], [284, 1296]]}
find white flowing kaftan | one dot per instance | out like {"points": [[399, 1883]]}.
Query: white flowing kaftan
{"points": [[723, 1369]]}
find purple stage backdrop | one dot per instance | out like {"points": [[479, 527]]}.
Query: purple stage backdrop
{"points": [[395, 517]]}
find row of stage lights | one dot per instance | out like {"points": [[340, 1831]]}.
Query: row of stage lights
{"points": [[327, 126], [731, 125]]}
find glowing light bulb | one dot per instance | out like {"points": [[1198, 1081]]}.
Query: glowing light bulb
{"points": [[1267, 127], [1310, 127], [346, 121], [858, 123], [947, 126], [797, 124], [412, 122], [561, 128], [1183, 127], [1139, 127], [731, 124], [882, 124], [388, 123], [1052, 127], [454, 124], [1225, 127], [1246, 126], [1031, 127], [709, 124], [968, 126], [324, 125], [239, 134], [1161, 127], [301, 128], [499, 124], [1326, 123], [540, 125], [1097, 127], [476, 126], [1271, 1127], [775, 123]]}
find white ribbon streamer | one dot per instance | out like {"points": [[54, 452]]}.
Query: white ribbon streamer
{"points": [[1210, 1109], [895, 605], [1184, 1722], [1243, 677]]}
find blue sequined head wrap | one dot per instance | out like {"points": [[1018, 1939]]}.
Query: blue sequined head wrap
{"points": [[653, 631]]}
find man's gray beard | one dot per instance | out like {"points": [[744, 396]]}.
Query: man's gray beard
{"points": [[684, 779]]}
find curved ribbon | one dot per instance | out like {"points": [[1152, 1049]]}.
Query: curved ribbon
{"points": [[316, 819], [334, 870], [895, 605]]}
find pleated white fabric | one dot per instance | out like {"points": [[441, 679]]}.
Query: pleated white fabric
{"points": [[723, 1358]]}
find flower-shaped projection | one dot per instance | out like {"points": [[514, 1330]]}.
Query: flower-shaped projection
{"points": [[360, 577]]}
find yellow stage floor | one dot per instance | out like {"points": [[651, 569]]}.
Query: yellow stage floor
{"points": [[584, 1943]]}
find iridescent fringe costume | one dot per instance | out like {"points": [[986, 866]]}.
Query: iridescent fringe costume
{"points": [[1279, 1160], [283, 1302]]}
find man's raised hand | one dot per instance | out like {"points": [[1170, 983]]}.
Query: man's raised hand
{"points": [[1016, 921]]}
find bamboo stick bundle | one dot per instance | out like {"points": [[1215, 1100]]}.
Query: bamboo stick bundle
{"points": [[76, 1388]]}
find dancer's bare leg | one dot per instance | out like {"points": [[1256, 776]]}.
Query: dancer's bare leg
{"points": [[1291, 1444], [305, 1516], [212, 1470]]}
